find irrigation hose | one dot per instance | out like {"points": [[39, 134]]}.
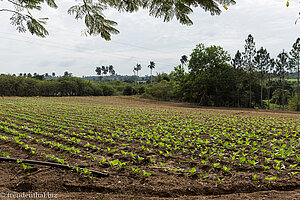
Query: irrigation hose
{"points": [[93, 172]]}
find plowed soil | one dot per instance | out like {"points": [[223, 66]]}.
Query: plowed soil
{"points": [[123, 184]]}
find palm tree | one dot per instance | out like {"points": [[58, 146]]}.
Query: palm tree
{"points": [[134, 76], [138, 68], [133, 71], [183, 60], [111, 70], [104, 69], [151, 66], [98, 71]]}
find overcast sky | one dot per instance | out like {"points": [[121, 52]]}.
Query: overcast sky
{"points": [[143, 38]]}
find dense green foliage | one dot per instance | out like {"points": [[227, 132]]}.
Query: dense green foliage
{"points": [[63, 86], [251, 79], [211, 80]]}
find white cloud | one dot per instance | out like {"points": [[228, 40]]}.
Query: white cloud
{"points": [[144, 38]]}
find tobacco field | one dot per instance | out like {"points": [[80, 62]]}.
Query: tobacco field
{"points": [[149, 149]]}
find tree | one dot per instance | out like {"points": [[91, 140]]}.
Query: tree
{"points": [[295, 64], [104, 69], [270, 72], [67, 74], [95, 21], [137, 68], [53, 74], [183, 60], [39, 77], [210, 77], [151, 66], [98, 71], [111, 70], [281, 68], [262, 60], [237, 63], [248, 57]]}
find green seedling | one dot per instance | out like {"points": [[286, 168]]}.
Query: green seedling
{"points": [[122, 165], [135, 170], [26, 168], [273, 178], [162, 164], [265, 167], [86, 171], [293, 166], [220, 179], [293, 174], [146, 173], [255, 178], [216, 165], [140, 159], [192, 171], [113, 163], [204, 176], [226, 169], [267, 160]]}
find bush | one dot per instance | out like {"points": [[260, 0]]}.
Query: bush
{"points": [[277, 97], [293, 102], [140, 89], [107, 90], [129, 90], [163, 90]]}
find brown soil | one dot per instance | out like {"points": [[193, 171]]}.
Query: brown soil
{"points": [[65, 184]]}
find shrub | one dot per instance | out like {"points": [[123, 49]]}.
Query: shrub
{"points": [[293, 102], [163, 90], [129, 90]]}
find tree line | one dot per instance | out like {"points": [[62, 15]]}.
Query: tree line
{"points": [[210, 77], [66, 85]]}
